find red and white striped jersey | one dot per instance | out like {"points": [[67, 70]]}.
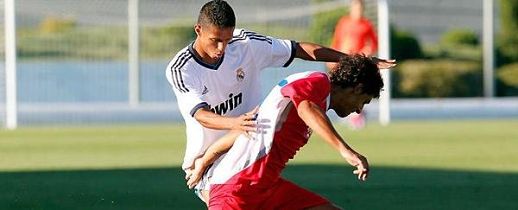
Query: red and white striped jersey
{"points": [[260, 158], [230, 87]]}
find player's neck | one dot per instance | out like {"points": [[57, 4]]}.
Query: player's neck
{"points": [[356, 15]]}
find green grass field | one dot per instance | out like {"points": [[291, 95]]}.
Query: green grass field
{"points": [[414, 165]]}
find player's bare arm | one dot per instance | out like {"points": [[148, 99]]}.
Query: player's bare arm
{"points": [[318, 121], [315, 52], [209, 119], [220, 147]]}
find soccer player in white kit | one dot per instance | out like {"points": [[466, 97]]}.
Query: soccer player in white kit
{"points": [[249, 175], [216, 79]]}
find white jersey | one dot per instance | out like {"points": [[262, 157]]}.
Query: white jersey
{"points": [[230, 88]]}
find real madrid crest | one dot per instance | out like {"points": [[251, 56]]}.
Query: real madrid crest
{"points": [[240, 74]]}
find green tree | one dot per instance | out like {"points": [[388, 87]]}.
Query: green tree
{"points": [[404, 45], [323, 25], [458, 37], [508, 39]]}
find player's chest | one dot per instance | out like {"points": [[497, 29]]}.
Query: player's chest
{"points": [[355, 30], [232, 73]]}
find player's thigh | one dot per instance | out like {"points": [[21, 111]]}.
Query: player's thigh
{"points": [[288, 195], [227, 203]]}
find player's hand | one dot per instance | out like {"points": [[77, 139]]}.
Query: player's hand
{"points": [[188, 173], [383, 63], [246, 122], [361, 164], [194, 176]]}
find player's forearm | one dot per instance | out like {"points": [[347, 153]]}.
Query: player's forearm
{"points": [[315, 52], [318, 121], [212, 120], [220, 147], [212, 153], [244, 122]]}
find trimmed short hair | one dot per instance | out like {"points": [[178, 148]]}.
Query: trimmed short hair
{"points": [[217, 13], [353, 70]]}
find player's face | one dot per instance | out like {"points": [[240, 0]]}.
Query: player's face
{"points": [[212, 41], [351, 101]]}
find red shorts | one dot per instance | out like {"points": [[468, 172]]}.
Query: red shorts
{"points": [[281, 195]]}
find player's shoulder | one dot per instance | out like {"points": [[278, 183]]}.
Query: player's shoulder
{"points": [[182, 55], [316, 77], [366, 21], [309, 75], [344, 19], [181, 60], [244, 36]]}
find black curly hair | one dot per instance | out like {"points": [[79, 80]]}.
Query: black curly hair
{"points": [[358, 69], [217, 13]]}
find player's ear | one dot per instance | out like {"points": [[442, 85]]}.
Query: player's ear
{"points": [[197, 29], [358, 89]]}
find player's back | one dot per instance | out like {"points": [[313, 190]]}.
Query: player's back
{"points": [[260, 158]]}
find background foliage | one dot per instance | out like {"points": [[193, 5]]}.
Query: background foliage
{"points": [[457, 46], [439, 78]]}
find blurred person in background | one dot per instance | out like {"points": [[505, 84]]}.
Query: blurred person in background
{"points": [[354, 34], [216, 78]]}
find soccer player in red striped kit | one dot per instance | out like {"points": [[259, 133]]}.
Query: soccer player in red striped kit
{"points": [[248, 176]]}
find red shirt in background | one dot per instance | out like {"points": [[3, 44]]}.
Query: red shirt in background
{"points": [[355, 36]]}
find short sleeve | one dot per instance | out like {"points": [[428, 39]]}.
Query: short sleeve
{"points": [[269, 51], [315, 88], [186, 85], [283, 52]]}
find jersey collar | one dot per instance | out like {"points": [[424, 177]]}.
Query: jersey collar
{"points": [[199, 61]]}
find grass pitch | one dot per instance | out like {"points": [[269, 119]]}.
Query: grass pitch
{"points": [[414, 165]]}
